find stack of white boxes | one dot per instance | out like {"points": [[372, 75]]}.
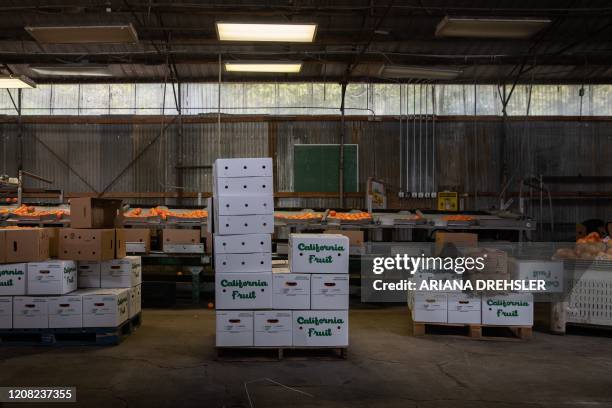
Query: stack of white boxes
{"points": [[111, 290], [318, 263], [44, 294], [243, 223]]}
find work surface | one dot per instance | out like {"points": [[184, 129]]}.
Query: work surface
{"points": [[170, 362]]}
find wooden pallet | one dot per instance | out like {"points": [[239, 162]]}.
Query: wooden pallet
{"points": [[86, 336], [473, 331], [279, 353]]}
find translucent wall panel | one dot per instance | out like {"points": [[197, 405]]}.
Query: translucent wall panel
{"points": [[309, 98]]}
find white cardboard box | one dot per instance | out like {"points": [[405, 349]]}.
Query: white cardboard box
{"points": [[88, 274], [244, 204], [135, 300], [291, 290], [551, 272], [238, 291], [244, 185], [244, 224], [121, 273], [318, 253], [243, 167], [66, 311], [234, 328], [52, 277], [105, 307], [13, 279], [320, 328], [512, 309], [463, 308], [30, 312], [329, 291], [255, 262], [242, 244], [6, 312], [273, 328], [429, 306]]}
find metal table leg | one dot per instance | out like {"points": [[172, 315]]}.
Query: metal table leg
{"points": [[195, 272]]}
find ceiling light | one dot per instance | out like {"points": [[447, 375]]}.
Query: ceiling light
{"points": [[113, 34], [288, 67], [72, 70], [266, 32], [408, 72], [468, 27], [16, 82]]}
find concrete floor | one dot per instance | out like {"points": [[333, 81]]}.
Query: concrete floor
{"points": [[170, 362]]}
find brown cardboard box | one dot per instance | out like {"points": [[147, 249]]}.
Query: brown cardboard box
{"points": [[120, 249], [2, 246], [355, 237], [459, 239], [87, 244], [90, 212], [26, 245], [139, 235], [180, 236], [53, 241]]}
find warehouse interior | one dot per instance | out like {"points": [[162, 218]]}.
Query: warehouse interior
{"points": [[384, 127]]}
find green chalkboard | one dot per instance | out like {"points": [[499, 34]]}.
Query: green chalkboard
{"points": [[316, 167]]}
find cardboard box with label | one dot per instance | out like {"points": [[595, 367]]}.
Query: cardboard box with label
{"points": [[26, 245], [135, 300], [6, 312], [137, 240], [88, 274], [244, 224], [92, 212], [551, 272], [242, 244], [13, 279], [428, 306], [30, 312], [243, 167], [329, 291], [273, 328], [445, 241], [463, 308], [511, 309], [234, 328], [251, 290], [121, 273], [290, 290], [243, 185], [254, 262], [244, 204], [66, 311], [91, 244], [320, 328], [318, 253], [52, 277], [105, 307]]}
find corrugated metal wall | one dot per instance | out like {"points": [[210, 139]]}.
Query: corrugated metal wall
{"points": [[467, 155]]}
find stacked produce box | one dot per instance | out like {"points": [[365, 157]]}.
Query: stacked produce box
{"points": [[243, 224], [261, 306], [44, 293]]}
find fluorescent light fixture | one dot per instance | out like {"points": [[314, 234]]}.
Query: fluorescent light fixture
{"points": [[509, 28], [286, 67], [266, 32], [72, 70], [410, 72], [16, 82], [111, 34]]}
